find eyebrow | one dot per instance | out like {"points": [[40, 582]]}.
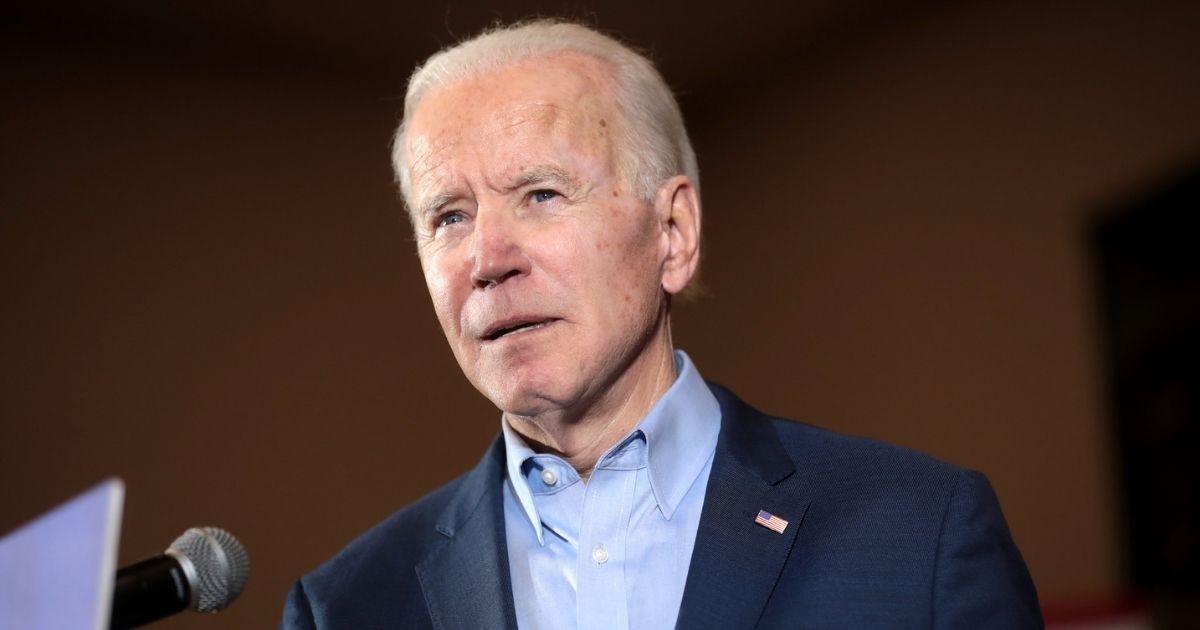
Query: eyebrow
{"points": [[529, 177], [434, 204], [542, 174]]}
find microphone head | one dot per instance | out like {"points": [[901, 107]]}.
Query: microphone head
{"points": [[220, 564]]}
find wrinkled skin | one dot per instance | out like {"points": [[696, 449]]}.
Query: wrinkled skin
{"points": [[550, 277]]}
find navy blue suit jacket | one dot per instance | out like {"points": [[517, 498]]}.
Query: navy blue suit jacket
{"points": [[878, 537]]}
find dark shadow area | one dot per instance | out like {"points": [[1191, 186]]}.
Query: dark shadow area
{"points": [[1150, 276]]}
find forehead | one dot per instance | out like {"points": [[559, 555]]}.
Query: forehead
{"points": [[567, 98]]}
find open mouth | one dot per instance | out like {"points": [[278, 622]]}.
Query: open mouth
{"points": [[504, 329]]}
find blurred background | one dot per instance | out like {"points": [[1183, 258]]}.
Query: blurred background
{"points": [[964, 227]]}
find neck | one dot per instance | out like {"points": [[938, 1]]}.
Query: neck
{"points": [[582, 439]]}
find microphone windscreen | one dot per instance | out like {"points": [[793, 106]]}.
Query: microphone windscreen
{"points": [[220, 563]]}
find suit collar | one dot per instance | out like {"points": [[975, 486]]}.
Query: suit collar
{"points": [[736, 562], [466, 579], [748, 437]]}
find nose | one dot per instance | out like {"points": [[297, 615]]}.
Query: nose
{"points": [[496, 249]]}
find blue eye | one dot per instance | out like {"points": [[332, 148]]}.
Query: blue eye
{"points": [[542, 196], [450, 218]]}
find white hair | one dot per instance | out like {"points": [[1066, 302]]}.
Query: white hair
{"points": [[655, 143]]}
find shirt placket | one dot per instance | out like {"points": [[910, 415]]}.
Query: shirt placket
{"points": [[600, 565]]}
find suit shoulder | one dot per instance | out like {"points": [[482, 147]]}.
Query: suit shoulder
{"points": [[809, 440], [842, 466], [843, 462]]}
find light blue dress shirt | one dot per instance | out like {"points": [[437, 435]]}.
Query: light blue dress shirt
{"points": [[612, 552]]}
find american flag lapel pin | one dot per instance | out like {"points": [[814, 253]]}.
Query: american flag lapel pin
{"points": [[770, 521]]}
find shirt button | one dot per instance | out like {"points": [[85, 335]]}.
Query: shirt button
{"points": [[548, 477], [599, 554]]}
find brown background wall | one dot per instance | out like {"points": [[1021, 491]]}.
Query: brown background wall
{"points": [[209, 289]]}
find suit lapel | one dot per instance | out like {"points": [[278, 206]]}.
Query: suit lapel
{"points": [[736, 562], [466, 579]]}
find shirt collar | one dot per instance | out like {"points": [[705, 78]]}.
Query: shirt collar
{"points": [[516, 451], [680, 431], [681, 434]]}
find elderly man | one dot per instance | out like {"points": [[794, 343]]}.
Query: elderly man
{"points": [[553, 193]]}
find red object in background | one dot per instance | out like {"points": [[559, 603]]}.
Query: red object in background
{"points": [[1124, 612]]}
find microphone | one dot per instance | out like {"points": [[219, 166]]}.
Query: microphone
{"points": [[204, 570]]}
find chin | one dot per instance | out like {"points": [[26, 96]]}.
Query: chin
{"points": [[524, 394]]}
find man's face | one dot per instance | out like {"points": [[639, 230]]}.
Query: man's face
{"points": [[545, 269]]}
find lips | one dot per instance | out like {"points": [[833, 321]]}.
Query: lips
{"points": [[513, 326]]}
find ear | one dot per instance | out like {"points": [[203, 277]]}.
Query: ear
{"points": [[678, 210]]}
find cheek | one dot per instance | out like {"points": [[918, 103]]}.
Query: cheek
{"points": [[638, 252], [440, 282], [629, 264]]}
